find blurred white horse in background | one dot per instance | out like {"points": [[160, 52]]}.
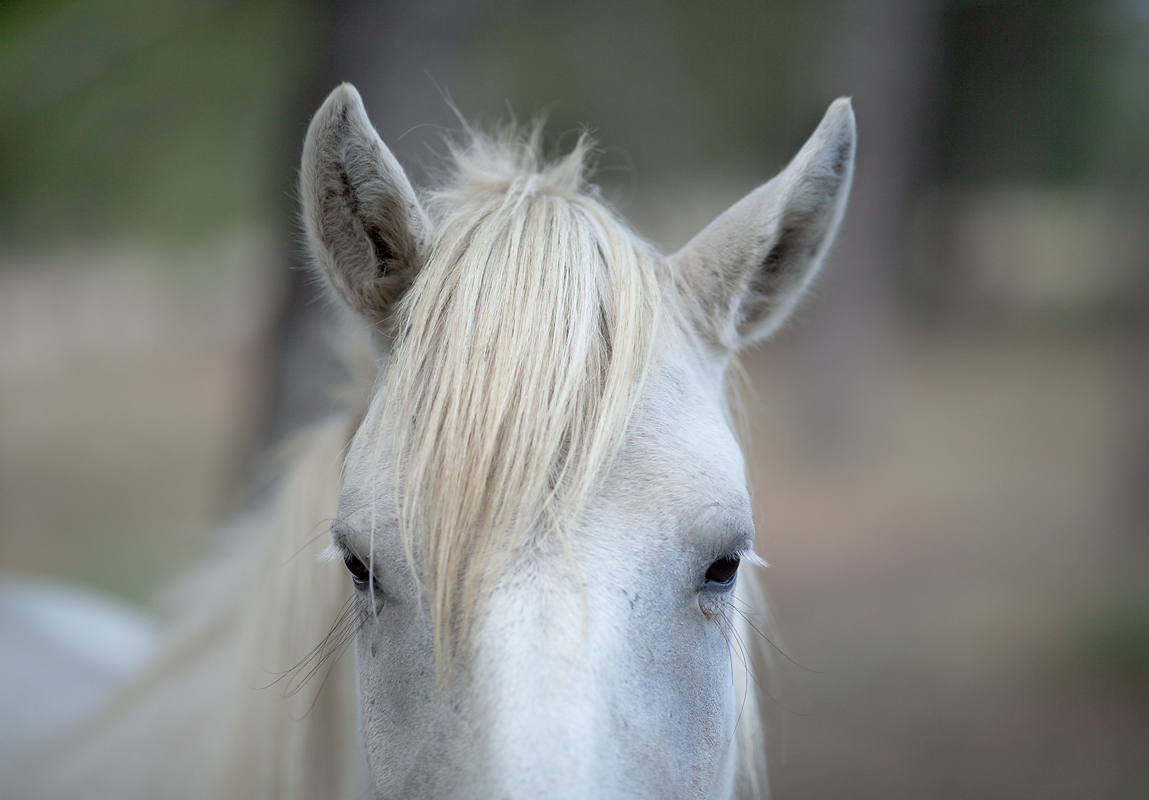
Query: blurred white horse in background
{"points": [[537, 515]]}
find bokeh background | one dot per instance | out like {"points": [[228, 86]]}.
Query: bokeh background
{"points": [[951, 441]]}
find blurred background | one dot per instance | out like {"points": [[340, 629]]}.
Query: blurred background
{"points": [[951, 442]]}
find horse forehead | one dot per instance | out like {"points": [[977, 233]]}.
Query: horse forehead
{"points": [[681, 427], [679, 438]]}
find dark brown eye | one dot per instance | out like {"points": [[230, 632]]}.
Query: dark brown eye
{"points": [[360, 574], [723, 570]]}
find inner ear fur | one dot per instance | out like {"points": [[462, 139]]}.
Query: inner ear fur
{"points": [[744, 273], [364, 223]]}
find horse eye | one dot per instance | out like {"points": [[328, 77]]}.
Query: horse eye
{"points": [[360, 574], [723, 570]]}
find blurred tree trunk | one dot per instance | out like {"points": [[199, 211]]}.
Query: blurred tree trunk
{"points": [[1136, 467], [885, 58]]}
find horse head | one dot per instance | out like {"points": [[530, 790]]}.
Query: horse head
{"points": [[544, 511]]}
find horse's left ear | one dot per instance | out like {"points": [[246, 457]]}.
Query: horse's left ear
{"points": [[364, 223], [743, 274]]}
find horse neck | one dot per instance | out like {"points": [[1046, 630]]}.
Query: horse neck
{"points": [[247, 696]]}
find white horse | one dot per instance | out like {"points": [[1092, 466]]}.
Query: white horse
{"points": [[539, 512]]}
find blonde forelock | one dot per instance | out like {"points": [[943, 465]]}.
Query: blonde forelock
{"points": [[519, 351]]}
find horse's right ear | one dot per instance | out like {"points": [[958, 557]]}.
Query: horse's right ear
{"points": [[365, 226]]}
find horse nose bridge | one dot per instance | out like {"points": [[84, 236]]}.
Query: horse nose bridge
{"points": [[548, 706]]}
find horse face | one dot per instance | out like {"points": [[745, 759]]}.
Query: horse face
{"points": [[607, 661], [603, 669]]}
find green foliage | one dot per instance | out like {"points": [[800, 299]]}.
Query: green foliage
{"points": [[1113, 647], [1052, 92], [125, 115], [173, 115]]}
